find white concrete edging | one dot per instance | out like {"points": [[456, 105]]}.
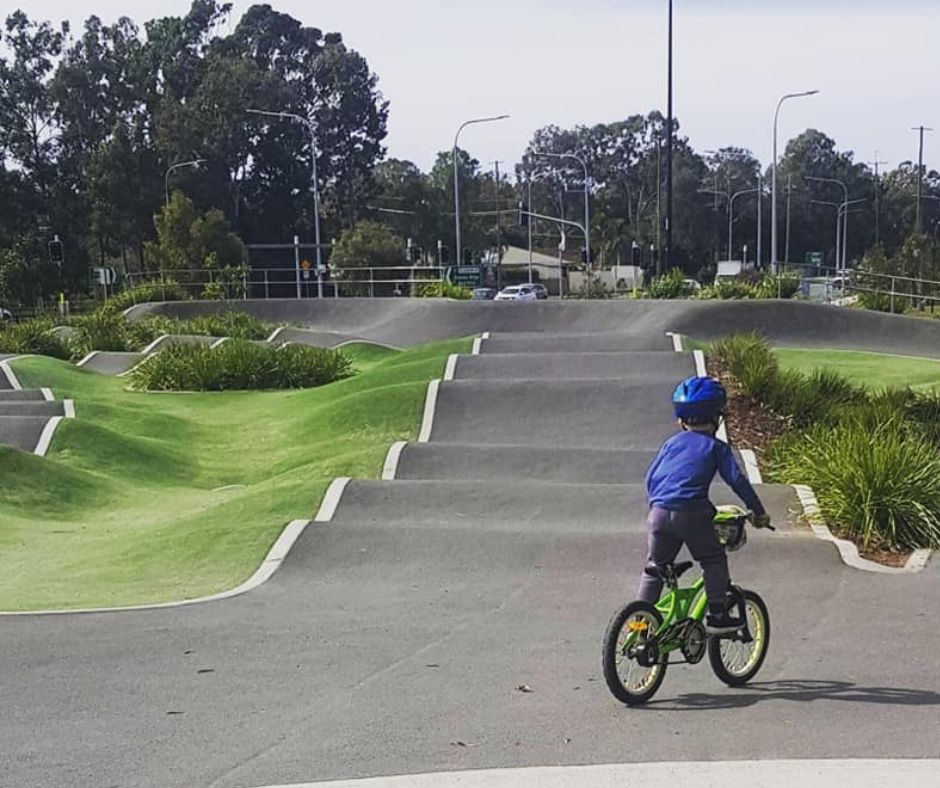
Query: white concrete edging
{"points": [[331, 499], [676, 341], [751, 468], [477, 343], [391, 460], [47, 395], [807, 773], [271, 563], [155, 344], [9, 374], [450, 368], [275, 334], [87, 358], [430, 406], [220, 341], [847, 550]]}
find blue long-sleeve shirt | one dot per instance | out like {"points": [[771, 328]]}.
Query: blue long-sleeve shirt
{"points": [[681, 474]]}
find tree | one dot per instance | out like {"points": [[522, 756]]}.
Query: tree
{"points": [[187, 241], [362, 252]]}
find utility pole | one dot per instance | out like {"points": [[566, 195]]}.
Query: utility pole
{"points": [[669, 132], [499, 239], [875, 164], [786, 251], [760, 222], [919, 222], [529, 222]]}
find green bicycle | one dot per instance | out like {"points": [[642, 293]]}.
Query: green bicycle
{"points": [[641, 638]]}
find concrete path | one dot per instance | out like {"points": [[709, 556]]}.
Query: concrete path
{"points": [[28, 417], [451, 619]]}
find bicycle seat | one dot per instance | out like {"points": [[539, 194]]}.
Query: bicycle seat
{"points": [[675, 570]]}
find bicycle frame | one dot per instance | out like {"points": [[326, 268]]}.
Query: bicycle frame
{"points": [[678, 607]]}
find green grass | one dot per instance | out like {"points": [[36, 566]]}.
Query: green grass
{"points": [[871, 370], [126, 508]]}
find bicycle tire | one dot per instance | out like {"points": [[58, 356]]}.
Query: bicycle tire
{"points": [[609, 656], [720, 649]]}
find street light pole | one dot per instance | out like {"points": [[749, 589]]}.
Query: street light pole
{"points": [[166, 177], [669, 124], [919, 221], [587, 198], [316, 189], [459, 256], [773, 188], [731, 217], [845, 219]]}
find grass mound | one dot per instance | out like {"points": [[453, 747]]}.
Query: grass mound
{"points": [[134, 503]]}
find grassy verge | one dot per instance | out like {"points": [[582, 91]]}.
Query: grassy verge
{"points": [[126, 509], [869, 370]]}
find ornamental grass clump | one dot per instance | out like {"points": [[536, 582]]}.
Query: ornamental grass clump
{"points": [[32, 337], [239, 366], [879, 483]]}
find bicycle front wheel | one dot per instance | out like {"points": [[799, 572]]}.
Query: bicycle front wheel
{"points": [[633, 673], [734, 661]]}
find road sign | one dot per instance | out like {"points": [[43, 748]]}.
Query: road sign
{"points": [[814, 258], [106, 276], [465, 275]]}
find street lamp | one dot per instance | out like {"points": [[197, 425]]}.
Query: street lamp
{"points": [[587, 202], [845, 218], [773, 188], [316, 189], [459, 255], [731, 215], [166, 178]]}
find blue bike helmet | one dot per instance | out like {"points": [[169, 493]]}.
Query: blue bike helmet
{"points": [[699, 400]]}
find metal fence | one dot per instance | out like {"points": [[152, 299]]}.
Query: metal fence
{"points": [[307, 282]]}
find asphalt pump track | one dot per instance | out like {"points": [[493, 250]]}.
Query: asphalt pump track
{"points": [[450, 616]]}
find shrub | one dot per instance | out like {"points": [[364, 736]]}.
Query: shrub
{"points": [[103, 329], [883, 302], [880, 483], [141, 333], [239, 365], [164, 290], [442, 290], [593, 289], [237, 325], [668, 286], [778, 286], [33, 337], [728, 289]]}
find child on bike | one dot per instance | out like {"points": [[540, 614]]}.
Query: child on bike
{"points": [[677, 485]]}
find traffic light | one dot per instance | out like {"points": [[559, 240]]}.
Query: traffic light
{"points": [[56, 251], [523, 215]]}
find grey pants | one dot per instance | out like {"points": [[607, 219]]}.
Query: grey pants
{"points": [[667, 532]]}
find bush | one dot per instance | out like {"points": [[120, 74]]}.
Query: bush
{"points": [[442, 290], [239, 365], [883, 302], [728, 289], [165, 290], [33, 337], [103, 329], [670, 285], [880, 483], [778, 286], [593, 289], [237, 325]]}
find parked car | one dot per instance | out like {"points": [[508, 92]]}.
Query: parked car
{"points": [[484, 293], [541, 292], [517, 293]]}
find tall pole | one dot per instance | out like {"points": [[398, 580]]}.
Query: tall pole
{"points": [[459, 256], [587, 196], [659, 206], [919, 221], [669, 132], [529, 222], [311, 128], [773, 187], [499, 239], [876, 164], [731, 217], [760, 222], [845, 224], [786, 250]]}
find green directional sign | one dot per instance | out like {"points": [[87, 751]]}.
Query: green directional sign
{"points": [[814, 258], [468, 276]]}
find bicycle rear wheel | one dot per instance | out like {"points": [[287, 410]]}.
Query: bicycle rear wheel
{"points": [[627, 635], [734, 661]]}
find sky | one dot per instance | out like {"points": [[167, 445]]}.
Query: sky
{"points": [[440, 62]]}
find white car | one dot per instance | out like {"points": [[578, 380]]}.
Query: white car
{"points": [[517, 293]]}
